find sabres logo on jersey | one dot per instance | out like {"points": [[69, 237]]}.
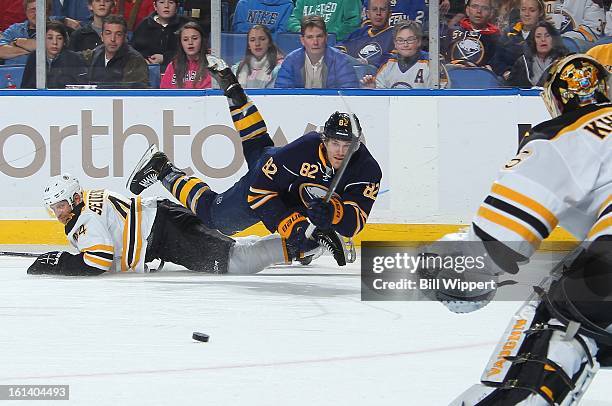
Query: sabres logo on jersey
{"points": [[370, 50], [468, 48], [310, 191]]}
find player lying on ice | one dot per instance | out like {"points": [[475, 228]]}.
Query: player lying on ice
{"points": [[562, 174], [115, 234], [284, 186]]}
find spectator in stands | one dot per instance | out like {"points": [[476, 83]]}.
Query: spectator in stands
{"points": [[273, 14], [512, 43], [155, 38], [115, 63], [544, 46], [409, 69], [579, 19], [474, 40], [340, 16], [64, 67], [316, 65], [188, 68], [89, 35], [506, 14], [261, 62], [74, 9], [19, 39], [404, 10], [603, 54], [12, 12], [134, 12], [372, 43]]}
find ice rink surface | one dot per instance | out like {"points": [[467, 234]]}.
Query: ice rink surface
{"points": [[289, 336]]}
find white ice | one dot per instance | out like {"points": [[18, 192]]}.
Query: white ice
{"points": [[290, 336]]}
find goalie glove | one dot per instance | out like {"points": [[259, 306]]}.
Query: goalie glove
{"points": [[48, 263], [461, 288]]}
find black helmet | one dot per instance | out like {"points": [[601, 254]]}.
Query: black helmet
{"points": [[572, 82], [338, 126]]}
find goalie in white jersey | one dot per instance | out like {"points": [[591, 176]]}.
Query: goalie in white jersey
{"points": [[115, 234], [562, 175]]}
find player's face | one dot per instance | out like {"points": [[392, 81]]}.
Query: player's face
{"points": [[62, 211], [336, 151], [378, 13], [543, 41], [530, 13], [54, 43], [407, 43], [258, 43], [101, 8], [191, 41], [479, 12], [113, 37], [314, 41], [166, 9]]}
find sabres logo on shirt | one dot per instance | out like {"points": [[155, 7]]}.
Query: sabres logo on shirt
{"points": [[310, 191]]}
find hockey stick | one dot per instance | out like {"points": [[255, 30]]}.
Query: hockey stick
{"points": [[19, 254], [354, 146]]}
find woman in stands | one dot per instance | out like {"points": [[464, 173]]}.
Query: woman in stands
{"points": [[544, 46], [262, 60], [64, 67], [512, 43], [409, 68], [188, 68]]}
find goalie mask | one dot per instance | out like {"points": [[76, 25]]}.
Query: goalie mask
{"points": [[61, 187], [338, 126], [573, 82]]}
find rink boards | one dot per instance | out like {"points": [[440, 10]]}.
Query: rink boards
{"points": [[438, 154]]}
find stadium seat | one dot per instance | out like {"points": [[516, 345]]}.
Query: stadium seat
{"points": [[154, 75], [15, 72], [462, 77], [232, 46]]}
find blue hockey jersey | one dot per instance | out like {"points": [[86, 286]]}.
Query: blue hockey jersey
{"points": [[297, 173], [368, 45], [402, 10], [274, 14]]}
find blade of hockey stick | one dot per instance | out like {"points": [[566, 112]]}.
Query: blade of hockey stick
{"points": [[19, 254], [354, 146]]}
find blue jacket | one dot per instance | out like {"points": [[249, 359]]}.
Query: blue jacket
{"points": [[340, 72], [75, 9], [271, 13]]}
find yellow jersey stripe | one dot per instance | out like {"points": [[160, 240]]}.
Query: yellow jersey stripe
{"points": [[601, 225], [104, 263], [509, 224], [604, 205], [194, 201], [177, 183], [255, 133], [186, 189], [248, 121], [263, 201], [262, 191], [527, 202], [100, 247]]}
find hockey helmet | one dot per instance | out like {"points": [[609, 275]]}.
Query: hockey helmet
{"points": [[338, 126], [59, 188], [574, 81]]}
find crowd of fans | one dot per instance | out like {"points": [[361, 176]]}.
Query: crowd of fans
{"points": [[113, 43]]}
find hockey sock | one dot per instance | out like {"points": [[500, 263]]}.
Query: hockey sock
{"points": [[192, 192], [248, 122]]}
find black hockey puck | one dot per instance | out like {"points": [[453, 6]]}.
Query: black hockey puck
{"points": [[200, 337]]}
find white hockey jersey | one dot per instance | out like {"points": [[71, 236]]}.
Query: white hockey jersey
{"points": [[390, 76], [582, 19], [111, 230], [561, 175]]}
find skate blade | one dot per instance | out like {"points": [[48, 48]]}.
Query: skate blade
{"points": [[145, 158]]}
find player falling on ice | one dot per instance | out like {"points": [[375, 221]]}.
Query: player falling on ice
{"points": [[562, 174], [115, 234], [284, 186]]}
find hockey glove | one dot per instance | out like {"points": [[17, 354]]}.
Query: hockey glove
{"points": [[48, 263], [324, 215], [293, 229]]}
